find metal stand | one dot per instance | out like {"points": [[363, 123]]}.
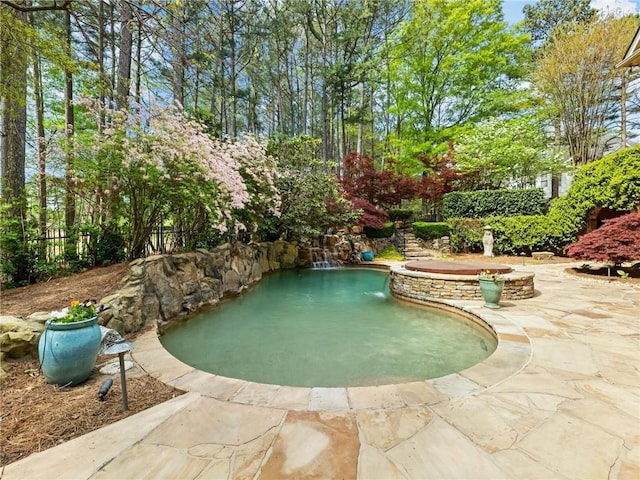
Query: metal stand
{"points": [[121, 348]]}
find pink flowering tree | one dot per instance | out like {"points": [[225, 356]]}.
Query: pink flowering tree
{"points": [[158, 166]]}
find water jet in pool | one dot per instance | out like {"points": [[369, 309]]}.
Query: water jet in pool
{"points": [[327, 328]]}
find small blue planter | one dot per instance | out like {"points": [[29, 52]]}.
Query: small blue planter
{"points": [[68, 351], [367, 256]]}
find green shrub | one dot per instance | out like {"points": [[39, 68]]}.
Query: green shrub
{"points": [[110, 248], [400, 214], [610, 182], [465, 234], [526, 234], [490, 203], [511, 235], [385, 232], [430, 230]]}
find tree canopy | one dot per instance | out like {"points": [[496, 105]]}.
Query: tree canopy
{"points": [[126, 115], [577, 77], [541, 19], [452, 59]]}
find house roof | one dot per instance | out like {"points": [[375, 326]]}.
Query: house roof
{"points": [[632, 56]]}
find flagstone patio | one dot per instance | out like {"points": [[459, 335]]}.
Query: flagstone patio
{"points": [[560, 398]]}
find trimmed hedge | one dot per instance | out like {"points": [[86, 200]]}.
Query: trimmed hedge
{"points": [[396, 214], [610, 182], [385, 232], [430, 230], [511, 235], [490, 203], [526, 234]]}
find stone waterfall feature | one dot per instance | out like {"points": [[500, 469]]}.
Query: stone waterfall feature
{"points": [[160, 288]]}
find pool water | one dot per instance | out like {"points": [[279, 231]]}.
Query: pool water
{"points": [[327, 328]]}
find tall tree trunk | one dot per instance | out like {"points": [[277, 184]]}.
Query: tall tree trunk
{"points": [[13, 75], [555, 178], [114, 57], [124, 60], [232, 75], [372, 125], [623, 108], [306, 124], [138, 82], [360, 141], [223, 91], [326, 134], [177, 62], [343, 145], [101, 73], [324, 124], [42, 153], [69, 200]]}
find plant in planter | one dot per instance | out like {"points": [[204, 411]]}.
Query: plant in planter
{"points": [[68, 347], [367, 256], [491, 286]]}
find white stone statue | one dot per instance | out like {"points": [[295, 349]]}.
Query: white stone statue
{"points": [[487, 241]]}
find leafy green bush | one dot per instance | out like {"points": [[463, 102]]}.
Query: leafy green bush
{"points": [[526, 234], [385, 232], [430, 230], [488, 203], [465, 234], [610, 182], [310, 200], [511, 235], [400, 214]]}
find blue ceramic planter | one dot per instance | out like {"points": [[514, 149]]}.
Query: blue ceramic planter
{"points": [[68, 351], [491, 292], [367, 256]]}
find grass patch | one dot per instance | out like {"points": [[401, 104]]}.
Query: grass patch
{"points": [[389, 253]]}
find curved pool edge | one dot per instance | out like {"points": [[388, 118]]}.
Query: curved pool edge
{"points": [[512, 354]]}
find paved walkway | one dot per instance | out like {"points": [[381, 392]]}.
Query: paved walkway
{"points": [[559, 399]]}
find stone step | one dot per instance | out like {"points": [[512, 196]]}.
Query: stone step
{"points": [[422, 254]]}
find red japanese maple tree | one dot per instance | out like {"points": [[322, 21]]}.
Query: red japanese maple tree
{"points": [[617, 241], [374, 190], [439, 176], [384, 188]]}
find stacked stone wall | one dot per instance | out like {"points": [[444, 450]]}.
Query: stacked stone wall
{"points": [[424, 286]]}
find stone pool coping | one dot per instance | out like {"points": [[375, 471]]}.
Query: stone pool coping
{"points": [[512, 354]]}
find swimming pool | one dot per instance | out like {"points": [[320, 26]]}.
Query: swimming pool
{"points": [[327, 328]]}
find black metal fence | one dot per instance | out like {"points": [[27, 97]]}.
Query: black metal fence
{"points": [[53, 248], [164, 239]]}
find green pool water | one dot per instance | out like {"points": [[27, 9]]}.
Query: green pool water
{"points": [[327, 328]]}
